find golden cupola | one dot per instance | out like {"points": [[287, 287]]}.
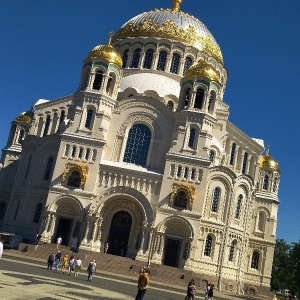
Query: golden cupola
{"points": [[171, 24], [108, 53], [268, 162], [203, 69], [25, 117]]}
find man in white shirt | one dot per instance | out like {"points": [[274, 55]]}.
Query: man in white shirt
{"points": [[1, 248], [58, 242]]}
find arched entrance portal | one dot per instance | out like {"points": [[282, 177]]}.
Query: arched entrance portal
{"points": [[119, 233]]}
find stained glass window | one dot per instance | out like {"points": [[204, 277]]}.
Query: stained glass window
{"points": [[148, 59], [208, 245], [238, 206], [162, 59], [138, 144], [216, 198], [175, 63], [136, 58]]}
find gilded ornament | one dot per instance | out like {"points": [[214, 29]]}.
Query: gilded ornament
{"points": [[82, 168], [203, 69], [189, 189], [25, 117]]}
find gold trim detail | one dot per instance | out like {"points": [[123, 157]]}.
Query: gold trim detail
{"points": [[170, 31], [176, 5], [202, 68], [25, 117], [82, 168], [189, 189]]}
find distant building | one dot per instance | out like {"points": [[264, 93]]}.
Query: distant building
{"points": [[143, 156]]}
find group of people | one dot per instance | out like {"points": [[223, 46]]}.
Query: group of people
{"points": [[191, 291], [69, 265]]}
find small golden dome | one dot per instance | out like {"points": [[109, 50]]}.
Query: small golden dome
{"points": [[25, 117], [267, 161], [203, 69], [107, 52]]}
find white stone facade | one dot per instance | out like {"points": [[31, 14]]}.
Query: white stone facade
{"points": [[196, 197]]}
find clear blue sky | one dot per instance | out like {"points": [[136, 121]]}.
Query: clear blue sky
{"points": [[43, 44]]}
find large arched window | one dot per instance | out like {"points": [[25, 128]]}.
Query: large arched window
{"points": [[232, 250], [125, 58], [208, 246], [74, 179], [138, 144], [175, 63], [238, 206], [266, 183], [187, 64], [192, 137], [255, 260], [88, 119], [49, 168], [162, 59], [98, 80], [181, 199], [2, 210], [148, 59], [38, 213], [61, 118], [47, 125], [199, 100], [232, 154], [245, 160], [215, 200], [136, 58]]}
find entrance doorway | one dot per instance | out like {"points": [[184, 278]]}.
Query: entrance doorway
{"points": [[119, 233], [63, 230], [172, 252]]}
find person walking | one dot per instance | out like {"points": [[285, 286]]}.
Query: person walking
{"points": [[57, 259], [71, 264], [77, 264], [206, 291], [106, 247], [58, 242], [191, 290], [143, 283], [211, 292], [64, 264], [38, 237], [91, 269], [51, 259]]}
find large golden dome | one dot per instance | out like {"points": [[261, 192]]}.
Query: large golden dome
{"points": [[267, 161], [107, 52], [203, 69], [171, 24], [25, 117]]}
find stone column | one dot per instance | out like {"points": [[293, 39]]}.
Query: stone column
{"points": [[98, 237]]}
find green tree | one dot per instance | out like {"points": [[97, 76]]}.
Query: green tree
{"points": [[295, 267]]}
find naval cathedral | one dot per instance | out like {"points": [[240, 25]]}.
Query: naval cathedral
{"points": [[143, 156]]}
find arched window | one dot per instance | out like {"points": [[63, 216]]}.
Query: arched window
{"points": [[80, 153], [232, 250], [275, 185], [232, 154], [2, 210], [255, 260], [138, 144], [211, 103], [193, 174], [136, 58], [49, 168], [238, 206], [187, 64], [208, 246], [186, 171], [148, 59], [38, 213], [187, 97], [261, 221], [98, 80], [181, 199], [85, 79], [109, 87], [162, 59], [170, 104], [73, 151], [61, 118], [191, 143], [87, 154], [212, 156], [47, 125], [179, 170], [74, 179], [175, 63], [245, 160], [199, 100], [21, 136], [216, 198], [88, 119], [125, 58], [266, 182]]}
